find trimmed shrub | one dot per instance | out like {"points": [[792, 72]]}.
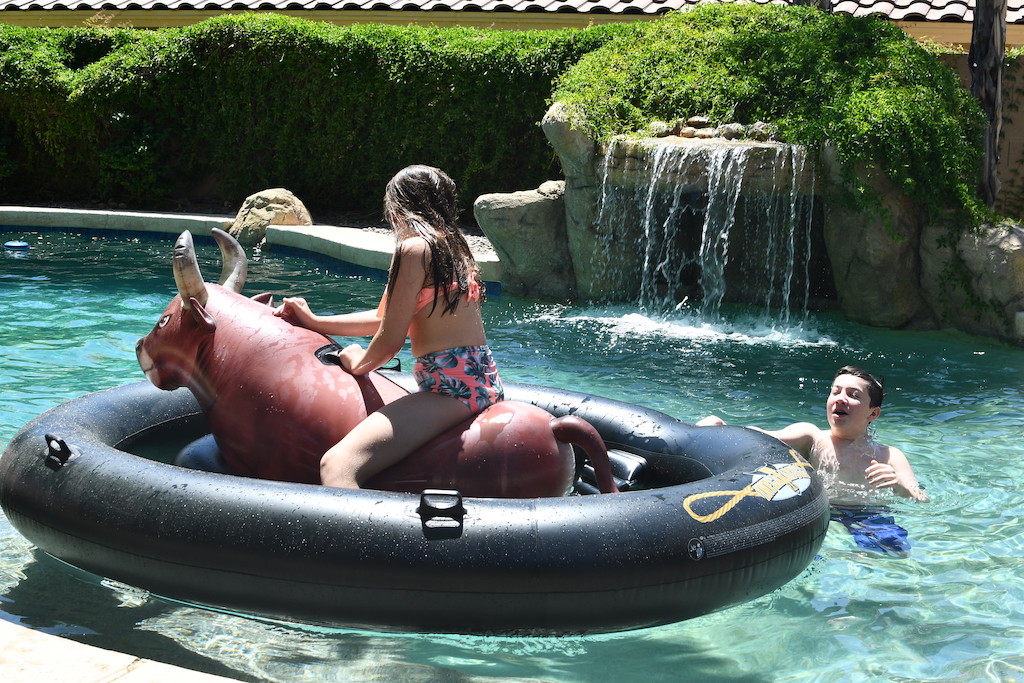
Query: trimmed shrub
{"points": [[235, 104]]}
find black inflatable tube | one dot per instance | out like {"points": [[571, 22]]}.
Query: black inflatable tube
{"points": [[431, 563]]}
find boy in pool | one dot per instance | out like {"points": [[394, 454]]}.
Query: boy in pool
{"points": [[854, 466]]}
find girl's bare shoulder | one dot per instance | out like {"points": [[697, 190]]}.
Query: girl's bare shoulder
{"points": [[413, 244]]}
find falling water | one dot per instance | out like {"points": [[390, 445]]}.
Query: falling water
{"points": [[712, 223]]}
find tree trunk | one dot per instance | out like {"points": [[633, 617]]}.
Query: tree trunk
{"points": [[988, 47]]}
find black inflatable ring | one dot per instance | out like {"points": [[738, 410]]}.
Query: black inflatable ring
{"points": [[712, 517]]}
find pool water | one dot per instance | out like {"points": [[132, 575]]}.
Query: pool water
{"points": [[73, 307]]}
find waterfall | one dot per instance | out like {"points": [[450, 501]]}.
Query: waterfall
{"points": [[709, 223]]}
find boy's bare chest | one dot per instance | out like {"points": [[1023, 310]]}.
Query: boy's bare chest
{"points": [[845, 459]]}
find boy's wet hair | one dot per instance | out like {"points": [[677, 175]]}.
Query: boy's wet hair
{"points": [[876, 393]]}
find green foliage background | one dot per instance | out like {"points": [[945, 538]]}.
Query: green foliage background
{"points": [[860, 84], [240, 103]]}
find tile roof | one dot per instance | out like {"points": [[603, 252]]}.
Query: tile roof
{"points": [[896, 10], [640, 7]]}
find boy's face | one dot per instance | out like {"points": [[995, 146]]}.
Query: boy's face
{"points": [[849, 407]]}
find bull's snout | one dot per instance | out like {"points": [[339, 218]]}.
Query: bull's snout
{"points": [[145, 362]]}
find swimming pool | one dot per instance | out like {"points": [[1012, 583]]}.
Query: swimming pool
{"points": [[71, 312]]}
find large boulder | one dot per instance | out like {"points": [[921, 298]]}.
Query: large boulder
{"points": [[876, 267], [980, 287], [875, 253], [527, 230], [994, 256], [591, 260], [275, 206]]}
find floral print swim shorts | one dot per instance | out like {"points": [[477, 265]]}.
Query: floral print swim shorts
{"points": [[467, 373]]}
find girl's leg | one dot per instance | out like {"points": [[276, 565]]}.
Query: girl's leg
{"points": [[388, 435]]}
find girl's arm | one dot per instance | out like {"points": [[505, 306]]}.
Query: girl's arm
{"points": [[401, 307], [360, 324]]}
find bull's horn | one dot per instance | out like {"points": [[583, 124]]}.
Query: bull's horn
{"points": [[186, 271], [236, 265]]}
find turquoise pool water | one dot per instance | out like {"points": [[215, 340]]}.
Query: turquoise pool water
{"points": [[71, 310]]}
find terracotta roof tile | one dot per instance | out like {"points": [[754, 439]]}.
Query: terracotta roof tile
{"points": [[897, 10]]}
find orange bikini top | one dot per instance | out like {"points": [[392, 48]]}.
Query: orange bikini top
{"points": [[426, 296]]}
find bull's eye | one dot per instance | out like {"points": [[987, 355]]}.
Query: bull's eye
{"points": [[163, 321]]}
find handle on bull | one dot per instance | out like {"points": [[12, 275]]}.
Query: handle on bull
{"points": [[331, 355]]}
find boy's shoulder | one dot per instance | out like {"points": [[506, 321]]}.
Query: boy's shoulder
{"points": [[892, 454], [807, 429]]}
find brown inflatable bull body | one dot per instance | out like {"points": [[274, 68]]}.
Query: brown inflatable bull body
{"points": [[275, 407]]}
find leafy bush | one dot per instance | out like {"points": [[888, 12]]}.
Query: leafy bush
{"points": [[239, 103], [858, 83], [38, 144]]}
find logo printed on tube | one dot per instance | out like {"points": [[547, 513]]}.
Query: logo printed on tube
{"points": [[773, 482], [785, 481]]}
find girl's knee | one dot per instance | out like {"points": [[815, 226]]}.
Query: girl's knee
{"points": [[334, 470]]}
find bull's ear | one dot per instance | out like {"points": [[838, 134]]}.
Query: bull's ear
{"points": [[206, 322], [264, 298]]}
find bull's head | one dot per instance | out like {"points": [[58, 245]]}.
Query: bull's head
{"points": [[168, 353]]}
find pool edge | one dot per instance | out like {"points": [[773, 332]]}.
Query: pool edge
{"points": [[366, 248], [28, 655]]}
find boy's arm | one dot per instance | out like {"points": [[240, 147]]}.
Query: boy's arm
{"points": [[798, 436], [896, 474]]}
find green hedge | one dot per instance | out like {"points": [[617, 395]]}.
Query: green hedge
{"points": [[239, 103], [860, 84]]}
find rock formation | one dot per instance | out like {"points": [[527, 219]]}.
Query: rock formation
{"points": [[276, 206]]}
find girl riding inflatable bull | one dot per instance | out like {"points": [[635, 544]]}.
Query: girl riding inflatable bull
{"points": [[433, 297], [278, 396]]}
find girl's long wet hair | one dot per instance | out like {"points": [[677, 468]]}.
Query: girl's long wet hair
{"points": [[423, 200]]}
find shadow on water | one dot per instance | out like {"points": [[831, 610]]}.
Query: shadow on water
{"points": [[55, 598], [61, 600]]}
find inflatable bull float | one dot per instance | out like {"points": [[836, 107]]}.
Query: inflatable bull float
{"points": [[276, 402]]}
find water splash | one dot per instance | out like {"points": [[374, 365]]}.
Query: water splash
{"points": [[624, 325], [712, 223]]}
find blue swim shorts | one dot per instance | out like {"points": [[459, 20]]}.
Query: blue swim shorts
{"points": [[873, 529]]}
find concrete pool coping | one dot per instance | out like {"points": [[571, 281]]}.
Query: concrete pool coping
{"points": [[30, 655], [359, 246]]}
